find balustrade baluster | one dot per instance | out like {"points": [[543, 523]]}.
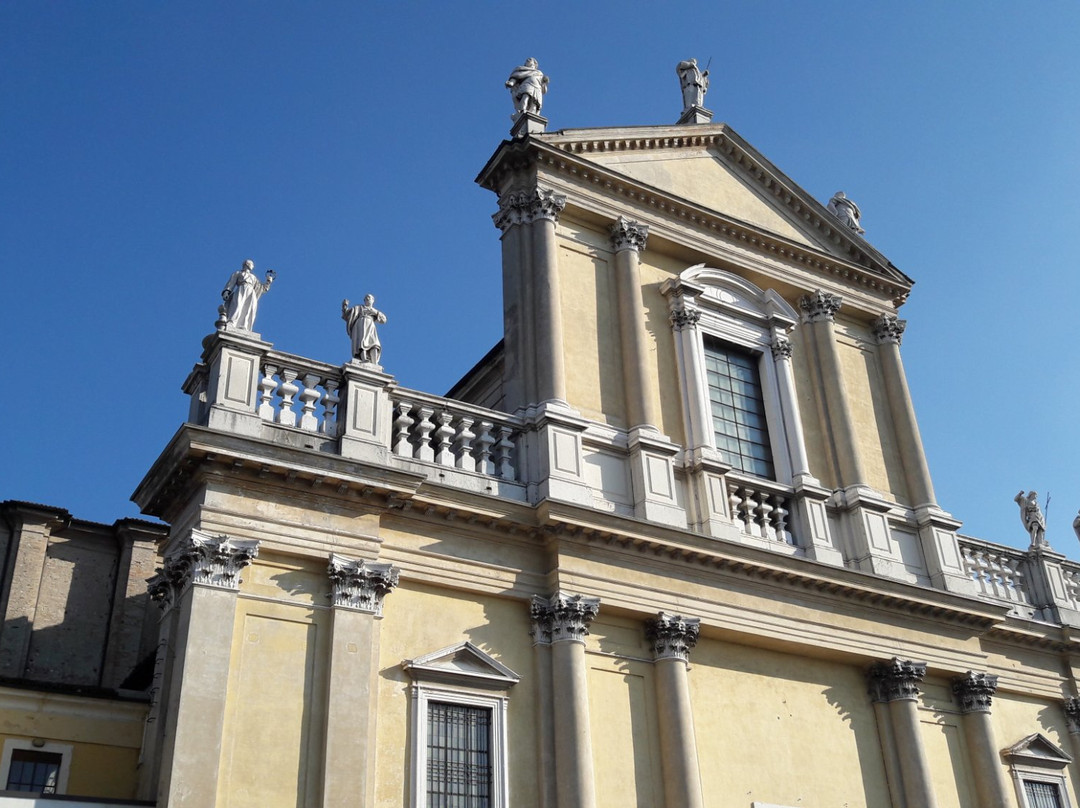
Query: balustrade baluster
{"points": [[764, 516], [444, 436], [308, 397], [503, 469], [463, 458], [779, 517], [402, 426], [484, 441], [288, 390], [424, 451], [735, 503], [330, 402], [749, 506], [267, 385]]}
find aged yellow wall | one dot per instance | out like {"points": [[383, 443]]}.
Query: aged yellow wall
{"points": [[593, 359], [946, 748], [702, 177], [807, 391], [870, 411], [276, 680], [418, 620], [756, 708], [103, 771], [1015, 717], [656, 268]]}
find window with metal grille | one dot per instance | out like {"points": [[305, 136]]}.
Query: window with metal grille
{"points": [[35, 771], [459, 762], [738, 408], [1042, 795]]}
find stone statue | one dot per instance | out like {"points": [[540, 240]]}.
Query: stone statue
{"points": [[694, 82], [846, 211], [1032, 517], [1076, 525], [241, 295], [527, 87], [360, 322]]}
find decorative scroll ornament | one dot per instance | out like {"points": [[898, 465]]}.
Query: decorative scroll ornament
{"points": [[562, 617], [975, 691], [361, 585], [781, 347], [820, 306], [1072, 715], [672, 635], [626, 234], [203, 560], [896, 680], [681, 318], [888, 328], [524, 207]]}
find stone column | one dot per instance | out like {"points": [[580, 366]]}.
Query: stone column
{"points": [[628, 240], [519, 387], [542, 214], [896, 683], [888, 330], [566, 619], [975, 692], [672, 637], [200, 579], [357, 589], [545, 702], [1071, 706], [820, 311]]}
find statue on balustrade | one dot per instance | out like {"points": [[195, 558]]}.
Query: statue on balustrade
{"points": [[1032, 517], [694, 83], [527, 86], [241, 295], [846, 211], [360, 322]]}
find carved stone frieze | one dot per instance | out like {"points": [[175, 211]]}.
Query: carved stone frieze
{"points": [[781, 347], [672, 635], [820, 306], [681, 318], [524, 207], [562, 617], [975, 691], [1072, 715], [888, 328], [895, 680], [204, 560], [627, 234], [361, 585]]}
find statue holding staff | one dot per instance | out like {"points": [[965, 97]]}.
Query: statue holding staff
{"points": [[1032, 517], [241, 295]]}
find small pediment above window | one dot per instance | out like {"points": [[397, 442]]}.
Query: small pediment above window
{"points": [[1036, 752], [462, 664]]}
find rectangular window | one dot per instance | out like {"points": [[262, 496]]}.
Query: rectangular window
{"points": [[1042, 795], [738, 408], [32, 770], [459, 765]]}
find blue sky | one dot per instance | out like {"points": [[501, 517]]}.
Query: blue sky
{"points": [[147, 148]]}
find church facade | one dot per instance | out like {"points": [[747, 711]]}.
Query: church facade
{"points": [[672, 542]]}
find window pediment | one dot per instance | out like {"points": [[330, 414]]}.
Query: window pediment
{"points": [[461, 664], [712, 289], [1038, 752]]}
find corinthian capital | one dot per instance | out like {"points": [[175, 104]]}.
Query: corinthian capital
{"points": [[672, 635], [781, 347], [562, 617], [820, 306], [627, 234], [523, 207], [204, 560], [1072, 715], [681, 318], [896, 680], [975, 691], [888, 328], [361, 585]]}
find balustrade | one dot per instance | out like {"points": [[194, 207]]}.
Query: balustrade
{"points": [[998, 571], [280, 395], [760, 508]]}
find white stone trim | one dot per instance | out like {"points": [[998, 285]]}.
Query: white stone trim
{"points": [[62, 749], [1038, 760]]}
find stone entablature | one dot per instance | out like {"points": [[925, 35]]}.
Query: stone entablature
{"points": [[360, 585], [202, 560], [562, 617], [896, 680]]}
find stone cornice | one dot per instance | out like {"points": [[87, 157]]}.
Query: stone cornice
{"points": [[865, 267]]}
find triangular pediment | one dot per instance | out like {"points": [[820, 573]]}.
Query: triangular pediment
{"points": [[1037, 750], [462, 663]]}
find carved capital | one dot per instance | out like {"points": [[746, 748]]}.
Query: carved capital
{"points": [[204, 560], [672, 635], [1072, 715], [562, 617], [627, 234], [360, 585], [896, 680], [975, 691], [681, 318], [820, 306], [781, 347], [888, 328], [523, 207]]}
